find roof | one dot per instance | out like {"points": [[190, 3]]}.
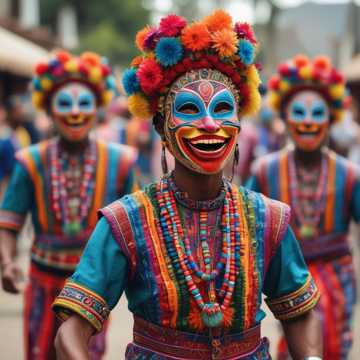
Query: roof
{"points": [[18, 55]]}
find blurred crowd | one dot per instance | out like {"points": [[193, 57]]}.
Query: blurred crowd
{"points": [[21, 126]]}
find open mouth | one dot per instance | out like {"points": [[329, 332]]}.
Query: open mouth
{"points": [[75, 123], [308, 133], [208, 144], [207, 147]]}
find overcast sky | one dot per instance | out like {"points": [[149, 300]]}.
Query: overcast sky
{"points": [[242, 9]]}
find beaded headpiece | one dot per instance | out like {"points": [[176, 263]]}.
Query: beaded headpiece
{"points": [[300, 73], [62, 67], [175, 48]]}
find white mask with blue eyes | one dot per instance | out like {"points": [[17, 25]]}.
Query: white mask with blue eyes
{"points": [[73, 107], [308, 118], [74, 98]]}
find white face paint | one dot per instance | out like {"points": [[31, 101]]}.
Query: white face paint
{"points": [[73, 108]]}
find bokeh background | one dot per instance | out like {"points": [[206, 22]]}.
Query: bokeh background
{"points": [[31, 29]]}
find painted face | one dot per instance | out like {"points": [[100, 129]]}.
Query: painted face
{"points": [[308, 120], [202, 125], [73, 108]]}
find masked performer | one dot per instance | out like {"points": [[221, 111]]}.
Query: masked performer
{"points": [[62, 182], [193, 252], [322, 188]]}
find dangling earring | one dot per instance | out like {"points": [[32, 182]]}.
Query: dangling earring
{"points": [[164, 164], [235, 162]]}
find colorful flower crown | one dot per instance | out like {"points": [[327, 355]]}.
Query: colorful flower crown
{"points": [[175, 47], [62, 67], [300, 73]]}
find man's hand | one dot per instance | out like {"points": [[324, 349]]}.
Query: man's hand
{"points": [[72, 339], [11, 276]]}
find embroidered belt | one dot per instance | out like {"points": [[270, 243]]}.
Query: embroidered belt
{"points": [[329, 245], [182, 345]]}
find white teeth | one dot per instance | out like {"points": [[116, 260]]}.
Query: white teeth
{"points": [[207, 141]]}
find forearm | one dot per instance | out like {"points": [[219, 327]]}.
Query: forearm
{"points": [[8, 246], [72, 339], [303, 335]]}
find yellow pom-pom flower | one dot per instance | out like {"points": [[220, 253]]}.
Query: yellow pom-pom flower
{"points": [[338, 115], [95, 75], [305, 72], [46, 83], [71, 66], [107, 96], [37, 99], [253, 76], [284, 86], [139, 106], [337, 91], [274, 100], [254, 101]]}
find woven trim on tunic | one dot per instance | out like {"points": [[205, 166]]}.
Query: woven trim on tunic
{"points": [[11, 220], [296, 303], [75, 298]]}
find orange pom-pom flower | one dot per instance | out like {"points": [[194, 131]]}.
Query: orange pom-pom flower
{"points": [[218, 20], [224, 41], [196, 37]]}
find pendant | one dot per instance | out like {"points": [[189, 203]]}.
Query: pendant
{"points": [[212, 315], [72, 229], [307, 231]]}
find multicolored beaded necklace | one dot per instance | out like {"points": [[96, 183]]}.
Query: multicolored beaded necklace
{"points": [[179, 250], [72, 186], [308, 218]]}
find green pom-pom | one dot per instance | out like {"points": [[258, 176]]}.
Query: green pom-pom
{"points": [[212, 315]]}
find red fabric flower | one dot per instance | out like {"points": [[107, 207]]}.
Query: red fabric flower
{"points": [[336, 77], [83, 68], [41, 68], [106, 70], [245, 31], [150, 76], [63, 56], [274, 82], [284, 69], [172, 25]]}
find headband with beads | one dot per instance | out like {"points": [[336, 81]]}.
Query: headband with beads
{"points": [[63, 67], [175, 48], [300, 73]]}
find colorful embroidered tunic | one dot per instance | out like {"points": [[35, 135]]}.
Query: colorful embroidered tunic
{"points": [[127, 253], [54, 254], [327, 251]]}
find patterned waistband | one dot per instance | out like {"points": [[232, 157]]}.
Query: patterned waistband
{"points": [[182, 345], [331, 245]]}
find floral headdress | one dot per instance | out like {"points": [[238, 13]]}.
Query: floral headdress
{"points": [[175, 48], [62, 67], [299, 74]]}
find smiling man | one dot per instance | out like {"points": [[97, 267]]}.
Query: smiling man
{"points": [[61, 182], [193, 252], [322, 188]]}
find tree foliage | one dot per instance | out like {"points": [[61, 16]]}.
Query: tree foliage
{"points": [[105, 26]]}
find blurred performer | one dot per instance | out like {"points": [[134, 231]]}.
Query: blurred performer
{"points": [[193, 251], [322, 188], [62, 182]]}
